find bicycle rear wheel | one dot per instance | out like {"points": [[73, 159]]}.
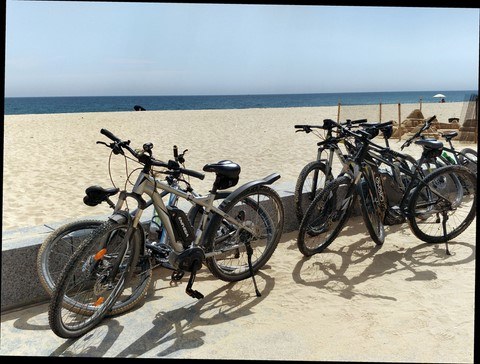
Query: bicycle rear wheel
{"points": [[92, 280], [444, 205], [310, 181], [326, 216], [468, 158], [260, 209], [369, 206], [59, 247]]}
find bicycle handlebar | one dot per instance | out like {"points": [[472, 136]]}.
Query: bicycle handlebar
{"points": [[327, 124], [110, 135], [173, 166], [425, 126], [378, 126]]}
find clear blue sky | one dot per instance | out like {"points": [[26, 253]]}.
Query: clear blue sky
{"points": [[94, 48]]}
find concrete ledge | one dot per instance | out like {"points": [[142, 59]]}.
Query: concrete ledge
{"points": [[20, 283]]}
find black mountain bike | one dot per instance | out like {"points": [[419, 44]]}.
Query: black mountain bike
{"points": [[315, 175], [438, 207], [466, 157]]}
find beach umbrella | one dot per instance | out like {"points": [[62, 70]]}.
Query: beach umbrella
{"points": [[439, 95]]}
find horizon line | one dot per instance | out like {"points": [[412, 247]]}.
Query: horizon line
{"points": [[253, 94]]}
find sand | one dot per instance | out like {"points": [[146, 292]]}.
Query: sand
{"points": [[49, 160], [403, 302]]}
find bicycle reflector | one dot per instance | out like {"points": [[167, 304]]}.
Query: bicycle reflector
{"points": [[100, 254]]}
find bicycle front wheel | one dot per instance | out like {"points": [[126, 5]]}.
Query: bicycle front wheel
{"points": [[59, 247], [326, 216], [371, 216], [259, 209], [443, 205], [310, 181], [93, 280]]}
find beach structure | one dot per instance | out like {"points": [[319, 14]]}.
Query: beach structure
{"points": [[469, 128]]}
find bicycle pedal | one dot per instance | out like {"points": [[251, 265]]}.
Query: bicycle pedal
{"points": [[195, 294]]}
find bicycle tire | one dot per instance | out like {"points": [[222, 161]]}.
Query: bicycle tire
{"points": [[303, 195], [446, 182], [266, 216], [327, 207], [60, 245], [93, 259], [372, 220], [472, 154]]}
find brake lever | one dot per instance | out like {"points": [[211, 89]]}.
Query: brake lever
{"points": [[181, 157], [113, 146]]}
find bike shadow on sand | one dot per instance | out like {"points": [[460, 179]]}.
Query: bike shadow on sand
{"points": [[342, 266], [175, 329], [180, 329]]}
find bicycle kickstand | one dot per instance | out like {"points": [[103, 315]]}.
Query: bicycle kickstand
{"points": [[191, 292], [250, 267], [444, 225]]}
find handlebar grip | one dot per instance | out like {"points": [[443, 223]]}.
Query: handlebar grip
{"points": [[430, 119], [175, 152], [299, 126], [109, 135], [192, 173]]}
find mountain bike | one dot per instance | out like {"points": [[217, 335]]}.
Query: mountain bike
{"points": [[234, 240], [450, 156], [62, 242], [315, 175], [438, 207]]}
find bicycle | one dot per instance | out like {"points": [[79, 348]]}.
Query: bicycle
{"points": [[315, 175], [450, 156], [234, 240], [320, 169], [426, 202], [61, 243]]}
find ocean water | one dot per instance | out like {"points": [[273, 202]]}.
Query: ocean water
{"points": [[74, 104]]}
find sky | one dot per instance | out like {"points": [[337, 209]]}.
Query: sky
{"points": [[114, 48]]}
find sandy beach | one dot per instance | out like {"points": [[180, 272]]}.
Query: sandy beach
{"points": [[403, 302], [50, 159]]}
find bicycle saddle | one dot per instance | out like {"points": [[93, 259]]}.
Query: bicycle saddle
{"points": [[225, 168], [430, 143], [97, 194], [448, 135]]}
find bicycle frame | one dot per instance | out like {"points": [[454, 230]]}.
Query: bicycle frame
{"points": [[147, 184], [356, 170]]}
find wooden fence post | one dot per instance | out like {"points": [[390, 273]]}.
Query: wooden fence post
{"points": [[380, 114], [338, 112], [420, 104], [399, 123]]}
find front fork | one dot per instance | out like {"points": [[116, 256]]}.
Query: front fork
{"points": [[121, 216]]}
